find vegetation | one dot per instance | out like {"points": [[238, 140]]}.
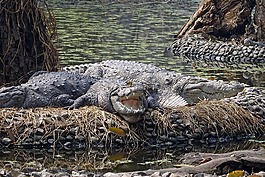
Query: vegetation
{"points": [[26, 40]]}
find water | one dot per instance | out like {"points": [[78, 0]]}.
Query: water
{"points": [[125, 31], [118, 160], [92, 31]]}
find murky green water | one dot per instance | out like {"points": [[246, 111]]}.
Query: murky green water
{"points": [[122, 30]]}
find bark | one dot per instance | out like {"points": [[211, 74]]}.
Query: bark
{"points": [[228, 19], [25, 43], [259, 22]]}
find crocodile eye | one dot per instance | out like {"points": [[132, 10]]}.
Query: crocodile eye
{"points": [[129, 83]]}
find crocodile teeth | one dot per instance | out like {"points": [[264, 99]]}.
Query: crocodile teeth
{"points": [[132, 101]]}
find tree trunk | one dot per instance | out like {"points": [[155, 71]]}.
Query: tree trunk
{"points": [[228, 19], [259, 22], [25, 43]]}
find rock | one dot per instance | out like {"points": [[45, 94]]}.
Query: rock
{"points": [[45, 173], [36, 138], [39, 131], [261, 173], [63, 174], [70, 138], [2, 172], [6, 141], [156, 174], [181, 138], [126, 175], [80, 137], [51, 141], [14, 172], [67, 145]]}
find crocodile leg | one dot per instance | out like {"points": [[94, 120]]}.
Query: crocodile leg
{"points": [[12, 96], [87, 99]]}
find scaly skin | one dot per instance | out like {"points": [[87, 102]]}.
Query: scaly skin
{"points": [[64, 89], [128, 91], [197, 48], [46, 89], [192, 89], [251, 99], [113, 68], [128, 98]]}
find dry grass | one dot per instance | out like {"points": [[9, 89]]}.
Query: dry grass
{"points": [[223, 117], [53, 123], [94, 123]]}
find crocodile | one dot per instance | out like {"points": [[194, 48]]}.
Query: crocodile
{"points": [[128, 91], [225, 54], [168, 83], [64, 89], [117, 96], [69, 90], [129, 99], [192, 89]]}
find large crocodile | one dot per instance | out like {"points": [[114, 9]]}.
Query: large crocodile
{"points": [[116, 96], [199, 49], [192, 89], [128, 91], [65, 89]]}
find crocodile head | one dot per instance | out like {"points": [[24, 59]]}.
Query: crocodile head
{"points": [[129, 101], [194, 89], [12, 96], [116, 96]]}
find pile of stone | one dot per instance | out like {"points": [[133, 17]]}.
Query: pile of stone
{"points": [[91, 127]]}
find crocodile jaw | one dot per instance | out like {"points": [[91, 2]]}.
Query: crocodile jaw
{"points": [[213, 90], [194, 89], [130, 107]]}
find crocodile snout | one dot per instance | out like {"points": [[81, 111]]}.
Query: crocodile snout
{"points": [[129, 102]]}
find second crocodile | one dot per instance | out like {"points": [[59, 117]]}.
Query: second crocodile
{"points": [[199, 49]]}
